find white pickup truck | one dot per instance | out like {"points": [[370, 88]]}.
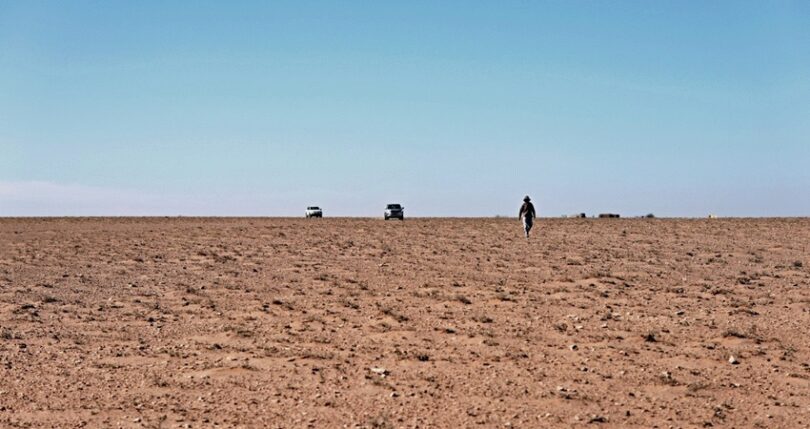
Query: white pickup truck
{"points": [[314, 211]]}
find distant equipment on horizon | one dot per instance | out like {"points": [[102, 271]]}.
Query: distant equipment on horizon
{"points": [[604, 216], [394, 211], [313, 211], [397, 211]]}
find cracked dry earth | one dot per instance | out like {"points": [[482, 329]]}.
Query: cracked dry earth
{"points": [[184, 322]]}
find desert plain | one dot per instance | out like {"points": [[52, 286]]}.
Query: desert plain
{"points": [[430, 323]]}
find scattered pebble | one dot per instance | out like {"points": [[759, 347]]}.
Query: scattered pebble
{"points": [[382, 372], [595, 418]]}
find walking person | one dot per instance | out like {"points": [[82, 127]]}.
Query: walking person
{"points": [[527, 215]]}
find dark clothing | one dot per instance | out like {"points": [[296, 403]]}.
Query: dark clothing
{"points": [[527, 215], [527, 210], [527, 225]]}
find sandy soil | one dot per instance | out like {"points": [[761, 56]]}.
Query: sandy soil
{"points": [[423, 323]]}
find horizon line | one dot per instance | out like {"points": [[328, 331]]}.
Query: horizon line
{"points": [[561, 217]]}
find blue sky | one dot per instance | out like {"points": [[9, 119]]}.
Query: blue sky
{"points": [[451, 108]]}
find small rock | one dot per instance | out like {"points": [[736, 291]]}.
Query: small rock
{"points": [[382, 372], [573, 347], [733, 360], [597, 419]]}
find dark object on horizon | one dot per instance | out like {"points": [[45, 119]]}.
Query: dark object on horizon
{"points": [[650, 216], [580, 215], [608, 215], [394, 211]]}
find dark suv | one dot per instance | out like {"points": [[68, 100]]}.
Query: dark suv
{"points": [[394, 211]]}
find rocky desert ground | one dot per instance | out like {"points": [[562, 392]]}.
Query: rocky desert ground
{"points": [[294, 323]]}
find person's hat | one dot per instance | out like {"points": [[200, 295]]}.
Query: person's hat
{"points": [[526, 198]]}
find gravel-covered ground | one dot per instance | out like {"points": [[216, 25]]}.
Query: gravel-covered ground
{"points": [[211, 322]]}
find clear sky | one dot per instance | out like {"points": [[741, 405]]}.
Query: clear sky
{"points": [[450, 108]]}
